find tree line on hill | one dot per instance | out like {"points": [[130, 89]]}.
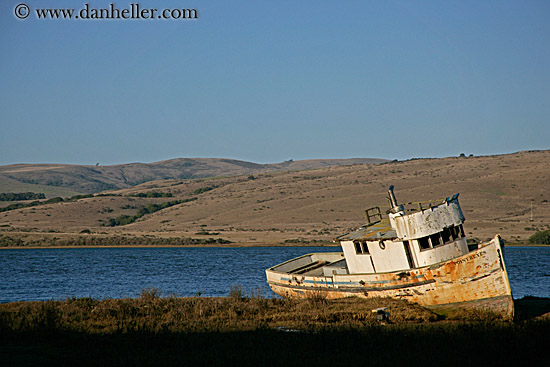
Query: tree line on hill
{"points": [[13, 196], [122, 220]]}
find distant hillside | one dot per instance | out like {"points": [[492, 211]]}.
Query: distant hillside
{"points": [[506, 194], [92, 179]]}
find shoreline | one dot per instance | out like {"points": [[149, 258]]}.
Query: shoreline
{"points": [[541, 245], [57, 247], [527, 298], [403, 311]]}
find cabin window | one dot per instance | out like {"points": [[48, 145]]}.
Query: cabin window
{"points": [[454, 232], [461, 231], [357, 245], [457, 232], [435, 239], [446, 235], [361, 248], [424, 243]]}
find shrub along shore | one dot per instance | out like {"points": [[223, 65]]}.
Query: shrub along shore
{"points": [[86, 239], [154, 330], [10, 241]]}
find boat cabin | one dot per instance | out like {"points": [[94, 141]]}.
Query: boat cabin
{"points": [[414, 235]]}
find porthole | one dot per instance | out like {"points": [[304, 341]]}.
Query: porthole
{"points": [[382, 245]]}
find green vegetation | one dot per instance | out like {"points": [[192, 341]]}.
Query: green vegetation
{"points": [[93, 241], [147, 209], [7, 241], [11, 185], [19, 206], [243, 330], [308, 241], [204, 189], [540, 238], [78, 197], [54, 200], [9, 196]]}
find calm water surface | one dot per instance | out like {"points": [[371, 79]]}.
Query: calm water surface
{"points": [[44, 274]]}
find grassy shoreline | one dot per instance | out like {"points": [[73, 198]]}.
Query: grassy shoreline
{"points": [[153, 330], [232, 245], [69, 240], [31, 240]]}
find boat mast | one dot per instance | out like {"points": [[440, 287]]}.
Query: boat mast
{"points": [[393, 201]]}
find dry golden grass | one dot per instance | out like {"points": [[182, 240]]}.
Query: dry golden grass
{"points": [[151, 330], [496, 194], [151, 313]]}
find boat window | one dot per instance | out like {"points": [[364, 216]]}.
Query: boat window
{"points": [[357, 245], [361, 248], [435, 239], [446, 235], [454, 232], [461, 231], [424, 243]]}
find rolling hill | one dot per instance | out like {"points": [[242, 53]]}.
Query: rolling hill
{"points": [[91, 179], [507, 194]]}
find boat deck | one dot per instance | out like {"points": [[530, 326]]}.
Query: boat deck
{"points": [[318, 264]]}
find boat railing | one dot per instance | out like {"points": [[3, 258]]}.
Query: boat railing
{"points": [[420, 206], [373, 215]]}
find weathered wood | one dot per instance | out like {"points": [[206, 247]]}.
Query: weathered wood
{"points": [[450, 275]]}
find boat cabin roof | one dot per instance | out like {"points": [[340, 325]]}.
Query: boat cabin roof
{"points": [[381, 230]]}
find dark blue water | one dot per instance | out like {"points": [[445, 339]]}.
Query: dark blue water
{"points": [[44, 274], [528, 270]]}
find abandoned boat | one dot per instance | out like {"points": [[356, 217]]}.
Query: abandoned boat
{"points": [[418, 253]]}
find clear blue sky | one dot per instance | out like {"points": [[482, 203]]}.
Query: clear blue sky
{"points": [[267, 81]]}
